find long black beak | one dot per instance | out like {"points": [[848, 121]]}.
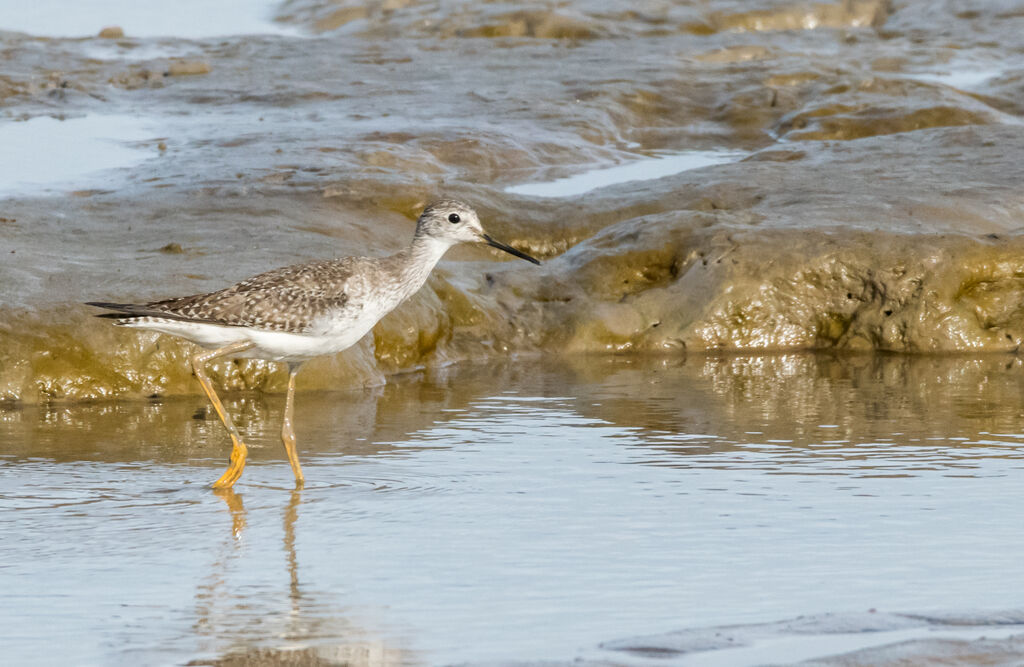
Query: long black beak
{"points": [[509, 249]]}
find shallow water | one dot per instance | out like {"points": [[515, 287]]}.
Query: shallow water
{"points": [[44, 153], [642, 169], [525, 511], [146, 18]]}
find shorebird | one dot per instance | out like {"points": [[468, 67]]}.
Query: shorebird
{"points": [[298, 312]]}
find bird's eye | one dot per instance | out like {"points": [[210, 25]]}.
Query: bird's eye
{"points": [[453, 218]]}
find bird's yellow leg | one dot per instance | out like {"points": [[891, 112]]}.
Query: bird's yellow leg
{"points": [[287, 430], [238, 448]]}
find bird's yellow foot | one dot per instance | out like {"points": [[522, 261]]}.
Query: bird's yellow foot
{"points": [[237, 464]]}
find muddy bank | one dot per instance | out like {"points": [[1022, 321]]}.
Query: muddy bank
{"points": [[872, 202]]}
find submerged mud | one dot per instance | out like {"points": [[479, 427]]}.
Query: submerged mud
{"points": [[875, 639], [877, 207]]}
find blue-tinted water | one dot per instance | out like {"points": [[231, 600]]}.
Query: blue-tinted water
{"points": [[527, 512]]}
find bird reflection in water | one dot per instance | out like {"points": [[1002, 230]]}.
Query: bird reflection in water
{"points": [[291, 512], [247, 621]]}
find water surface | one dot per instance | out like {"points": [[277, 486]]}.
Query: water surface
{"points": [[528, 511], [43, 153], [148, 18], [637, 170]]}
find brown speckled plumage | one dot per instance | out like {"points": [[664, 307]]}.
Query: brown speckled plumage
{"points": [[288, 299]]}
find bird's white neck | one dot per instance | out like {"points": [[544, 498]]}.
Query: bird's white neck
{"points": [[417, 261]]}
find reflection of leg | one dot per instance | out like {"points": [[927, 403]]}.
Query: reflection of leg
{"points": [[237, 510], [287, 430], [238, 449], [216, 591], [290, 514]]}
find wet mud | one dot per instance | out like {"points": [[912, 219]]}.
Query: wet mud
{"points": [[876, 639], [873, 203]]}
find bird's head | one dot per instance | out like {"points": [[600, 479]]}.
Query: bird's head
{"points": [[452, 222]]}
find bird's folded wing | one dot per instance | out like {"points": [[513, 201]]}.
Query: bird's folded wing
{"points": [[289, 299]]}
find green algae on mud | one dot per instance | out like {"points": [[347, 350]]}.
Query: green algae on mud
{"points": [[89, 360], [877, 209]]}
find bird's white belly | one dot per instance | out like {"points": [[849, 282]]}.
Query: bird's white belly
{"points": [[278, 346], [269, 345]]}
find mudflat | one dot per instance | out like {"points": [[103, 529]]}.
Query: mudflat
{"points": [[686, 435], [829, 176]]}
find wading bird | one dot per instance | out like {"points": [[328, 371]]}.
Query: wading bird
{"points": [[295, 313]]}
